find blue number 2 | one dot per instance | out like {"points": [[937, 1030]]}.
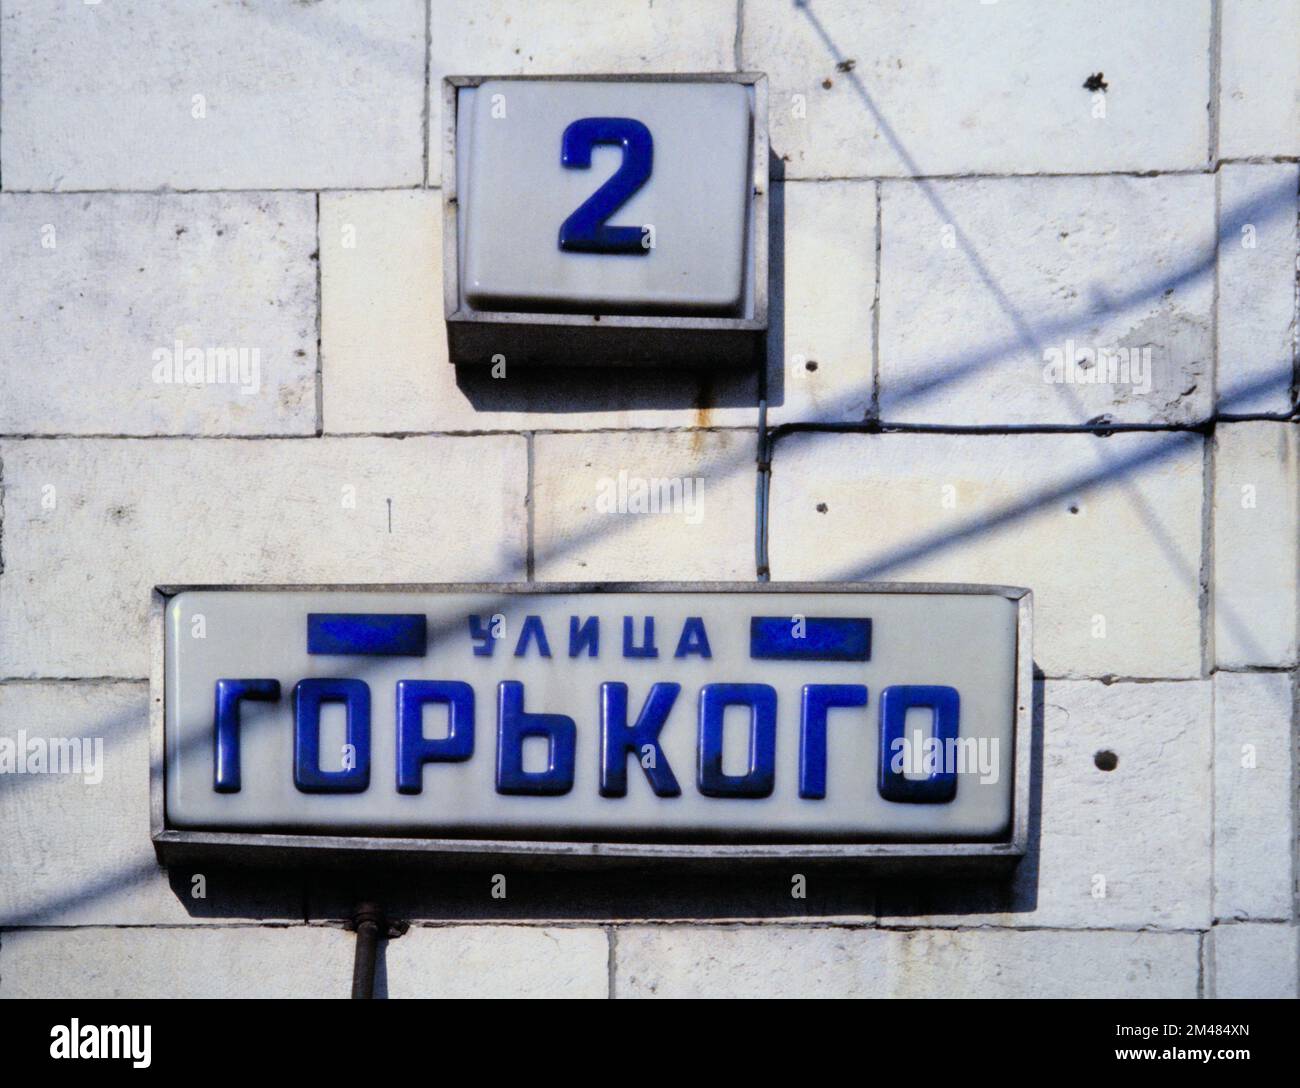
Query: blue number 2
{"points": [[586, 231]]}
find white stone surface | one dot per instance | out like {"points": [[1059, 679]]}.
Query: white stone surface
{"points": [[573, 37], [1256, 307], [100, 290], [1253, 824], [77, 848], [1254, 961], [985, 282], [248, 961], [752, 961], [472, 962], [938, 88], [384, 345], [598, 897], [705, 533], [107, 96], [827, 260], [1105, 531], [1256, 543], [129, 514], [1259, 78], [1126, 848]]}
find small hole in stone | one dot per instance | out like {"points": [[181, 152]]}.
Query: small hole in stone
{"points": [[1106, 760], [1074, 509], [811, 364], [821, 508]]}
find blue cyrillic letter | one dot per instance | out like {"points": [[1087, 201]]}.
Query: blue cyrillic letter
{"points": [[694, 640], [618, 740], [760, 778], [513, 725], [532, 629], [414, 749], [307, 699], [895, 702], [226, 726], [817, 700], [588, 634], [648, 647], [483, 636]]}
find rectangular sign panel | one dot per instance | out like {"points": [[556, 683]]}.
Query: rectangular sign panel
{"points": [[605, 197], [653, 715], [605, 220]]}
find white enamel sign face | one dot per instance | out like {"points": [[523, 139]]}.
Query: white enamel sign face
{"points": [[624, 716], [604, 197]]}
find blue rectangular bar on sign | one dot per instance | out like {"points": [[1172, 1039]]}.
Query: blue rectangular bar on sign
{"points": [[395, 634], [796, 638]]}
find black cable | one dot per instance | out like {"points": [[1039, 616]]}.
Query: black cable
{"points": [[370, 925]]}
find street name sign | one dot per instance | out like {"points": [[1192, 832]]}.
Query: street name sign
{"points": [[656, 720]]}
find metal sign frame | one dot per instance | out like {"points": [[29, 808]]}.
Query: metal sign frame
{"points": [[474, 336], [242, 847]]}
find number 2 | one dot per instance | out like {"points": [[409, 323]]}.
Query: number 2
{"points": [[586, 230]]}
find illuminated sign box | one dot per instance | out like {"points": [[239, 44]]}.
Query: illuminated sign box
{"points": [[605, 220], [842, 723]]}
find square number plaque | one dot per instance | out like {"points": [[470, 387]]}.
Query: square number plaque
{"points": [[606, 219]]}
